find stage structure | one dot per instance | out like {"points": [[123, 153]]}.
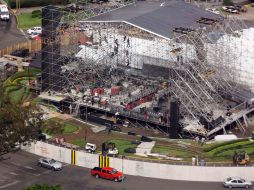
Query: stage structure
{"points": [[146, 63]]}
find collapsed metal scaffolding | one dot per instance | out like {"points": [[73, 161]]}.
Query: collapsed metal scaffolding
{"points": [[192, 66]]}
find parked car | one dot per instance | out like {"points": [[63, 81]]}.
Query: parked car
{"points": [[34, 30], [230, 9], [113, 127], [98, 1], [4, 13], [213, 10], [50, 163], [35, 36], [237, 182], [126, 124], [107, 173], [21, 53], [71, 8], [90, 147], [82, 6], [116, 128]]}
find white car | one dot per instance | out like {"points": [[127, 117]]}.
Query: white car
{"points": [[233, 11], [230, 9], [34, 30], [237, 182], [4, 13], [213, 10], [34, 36]]}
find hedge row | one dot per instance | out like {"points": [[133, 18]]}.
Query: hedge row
{"points": [[11, 89], [28, 72], [210, 148], [37, 3], [236, 146]]}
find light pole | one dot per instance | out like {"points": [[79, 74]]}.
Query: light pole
{"points": [[17, 6], [123, 188]]}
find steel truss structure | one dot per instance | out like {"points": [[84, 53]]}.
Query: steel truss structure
{"points": [[82, 57]]}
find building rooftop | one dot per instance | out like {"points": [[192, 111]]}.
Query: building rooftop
{"points": [[156, 17]]}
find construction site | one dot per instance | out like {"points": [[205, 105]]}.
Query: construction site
{"points": [[168, 65]]}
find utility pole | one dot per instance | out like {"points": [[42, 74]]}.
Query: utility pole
{"points": [[17, 6]]}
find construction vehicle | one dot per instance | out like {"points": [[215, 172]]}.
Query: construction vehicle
{"points": [[109, 148], [241, 158], [90, 147]]}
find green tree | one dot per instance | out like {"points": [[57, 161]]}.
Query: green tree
{"points": [[227, 2], [19, 123], [44, 187]]}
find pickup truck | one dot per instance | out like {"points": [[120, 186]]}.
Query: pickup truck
{"points": [[107, 173]]}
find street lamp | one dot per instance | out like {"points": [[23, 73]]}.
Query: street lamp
{"points": [[123, 188], [17, 6]]}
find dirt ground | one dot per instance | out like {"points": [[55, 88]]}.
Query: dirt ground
{"points": [[95, 138], [248, 16]]}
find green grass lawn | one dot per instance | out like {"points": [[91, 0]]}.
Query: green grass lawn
{"points": [[122, 145], [215, 152], [173, 151], [66, 127], [79, 142], [69, 128], [25, 21], [20, 95]]}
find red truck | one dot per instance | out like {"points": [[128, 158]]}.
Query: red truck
{"points": [[107, 173]]}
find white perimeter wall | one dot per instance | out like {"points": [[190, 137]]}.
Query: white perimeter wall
{"points": [[87, 160], [50, 151], [145, 169], [179, 172]]}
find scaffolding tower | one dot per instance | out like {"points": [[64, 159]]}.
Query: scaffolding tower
{"points": [[80, 55]]}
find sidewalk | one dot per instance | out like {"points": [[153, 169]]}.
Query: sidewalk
{"points": [[145, 148]]}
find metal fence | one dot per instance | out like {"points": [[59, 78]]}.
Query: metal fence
{"points": [[32, 45]]}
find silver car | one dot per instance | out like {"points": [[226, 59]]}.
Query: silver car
{"points": [[237, 182], [50, 163]]}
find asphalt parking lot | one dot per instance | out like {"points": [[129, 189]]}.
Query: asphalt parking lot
{"points": [[9, 34], [21, 170]]}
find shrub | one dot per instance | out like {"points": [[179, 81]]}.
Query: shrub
{"points": [[37, 3], [44, 187], [227, 2], [130, 150], [208, 149], [36, 13]]}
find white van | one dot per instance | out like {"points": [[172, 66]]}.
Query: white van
{"points": [[4, 13]]}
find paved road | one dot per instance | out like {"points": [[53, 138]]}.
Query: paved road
{"points": [[21, 171], [9, 34]]}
